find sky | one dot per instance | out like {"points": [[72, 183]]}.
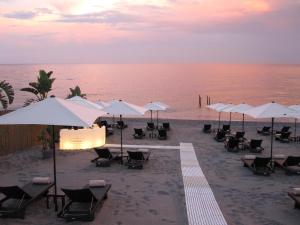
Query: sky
{"points": [[150, 31]]}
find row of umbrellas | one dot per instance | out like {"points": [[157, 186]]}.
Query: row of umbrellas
{"points": [[266, 111], [73, 112]]}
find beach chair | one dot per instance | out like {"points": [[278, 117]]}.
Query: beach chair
{"points": [[292, 165], [258, 165], [295, 195], [284, 129], [104, 157], [226, 128], [283, 137], [207, 128], [255, 146], [240, 136], [264, 131], [138, 133], [108, 128], [162, 134], [16, 198], [220, 136], [232, 144], [83, 203], [121, 124], [150, 126], [166, 126], [136, 158]]}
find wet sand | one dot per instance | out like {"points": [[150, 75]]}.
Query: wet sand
{"points": [[155, 194]]}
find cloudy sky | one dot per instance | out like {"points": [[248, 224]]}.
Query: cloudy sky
{"points": [[150, 31]]}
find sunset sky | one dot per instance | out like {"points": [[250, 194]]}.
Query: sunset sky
{"points": [[149, 31]]}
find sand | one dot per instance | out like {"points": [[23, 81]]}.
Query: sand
{"points": [[155, 195]]}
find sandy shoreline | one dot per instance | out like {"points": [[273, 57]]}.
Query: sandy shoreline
{"points": [[155, 194]]}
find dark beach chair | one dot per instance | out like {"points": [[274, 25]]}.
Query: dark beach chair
{"points": [[150, 126], [292, 165], [220, 136], [240, 136], [264, 131], [207, 128], [283, 137], [138, 133], [82, 203], [259, 165], [284, 129], [121, 125], [166, 126], [108, 128], [226, 128], [16, 199], [104, 157], [162, 134], [136, 158], [232, 144], [255, 146], [296, 198]]}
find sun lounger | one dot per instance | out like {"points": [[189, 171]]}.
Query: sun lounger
{"points": [[136, 159], [166, 126], [232, 144], [240, 136], [138, 133], [295, 195], [162, 134], [104, 157], [150, 126], [259, 165], [283, 137], [284, 129], [264, 131], [292, 165], [82, 203], [16, 199], [220, 136], [207, 128], [121, 125], [255, 146], [279, 160], [226, 128]]}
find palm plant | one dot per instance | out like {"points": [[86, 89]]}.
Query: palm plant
{"points": [[40, 88], [7, 94], [76, 92]]}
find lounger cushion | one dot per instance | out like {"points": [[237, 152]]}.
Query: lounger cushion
{"points": [[293, 169], [41, 180], [279, 156], [97, 183], [296, 191], [249, 157]]}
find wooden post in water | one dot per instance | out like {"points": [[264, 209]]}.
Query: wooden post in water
{"points": [[207, 100], [199, 101]]}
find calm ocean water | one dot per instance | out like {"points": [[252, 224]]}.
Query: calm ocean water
{"points": [[178, 85]]}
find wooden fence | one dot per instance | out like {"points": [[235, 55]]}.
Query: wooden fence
{"points": [[18, 137]]}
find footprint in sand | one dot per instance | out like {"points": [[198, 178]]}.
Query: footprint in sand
{"points": [[162, 193], [153, 211]]}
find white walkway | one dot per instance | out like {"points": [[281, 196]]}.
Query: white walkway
{"points": [[202, 207], [143, 146]]}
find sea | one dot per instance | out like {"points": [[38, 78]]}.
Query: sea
{"points": [[181, 86]]}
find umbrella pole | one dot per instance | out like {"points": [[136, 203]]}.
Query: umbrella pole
{"points": [[295, 131], [229, 118], [121, 141], [151, 116], [157, 119], [54, 169], [243, 122], [272, 137], [219, 120]]}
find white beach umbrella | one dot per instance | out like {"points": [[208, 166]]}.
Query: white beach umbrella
{"points": [[164, 105], [155, 106], [269, 110], [123, 108], [218, 107], [215, 105], [241, 108], [84, 102], [102, 104], [56, 112]]}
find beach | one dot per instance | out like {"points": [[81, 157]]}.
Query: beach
{"points": [[155, 194]]}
